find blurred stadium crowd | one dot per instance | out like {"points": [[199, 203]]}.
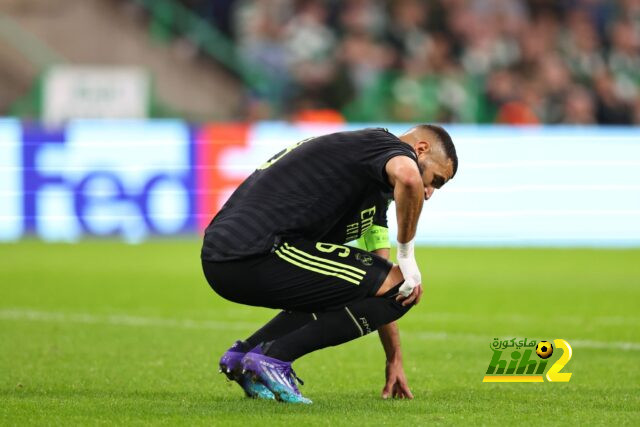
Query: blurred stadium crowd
{"points": [[484, 61]]}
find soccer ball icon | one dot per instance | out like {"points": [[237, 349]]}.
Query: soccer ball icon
{"points": [[544, 349]]}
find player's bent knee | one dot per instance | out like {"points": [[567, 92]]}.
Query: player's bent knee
{"points": [[394, 278], [371, 313]]}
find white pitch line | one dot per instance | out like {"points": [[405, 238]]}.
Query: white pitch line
{"points": [[508, 318], [120, 320], [163, 322], [578, 343]]}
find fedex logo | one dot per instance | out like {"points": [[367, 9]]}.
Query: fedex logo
{"points": [[125, 179]]}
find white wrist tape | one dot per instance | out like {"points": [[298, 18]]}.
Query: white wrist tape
{"points": [[408, 267], [405, 250]]}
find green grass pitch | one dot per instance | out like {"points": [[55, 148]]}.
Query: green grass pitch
{"points": [[106, 333]]}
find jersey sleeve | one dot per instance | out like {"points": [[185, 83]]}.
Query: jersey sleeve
{"points": [[381, 147]]}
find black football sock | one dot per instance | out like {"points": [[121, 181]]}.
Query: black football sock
{"points": [[284, 323], [336, 327]]}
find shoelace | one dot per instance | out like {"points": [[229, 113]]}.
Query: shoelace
{"points": [[290, 373]]}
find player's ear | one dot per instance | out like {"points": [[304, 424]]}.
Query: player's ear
{"points": [[422, 147]]}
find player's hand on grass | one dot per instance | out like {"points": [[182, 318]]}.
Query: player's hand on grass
{"points": [[396, 385]]}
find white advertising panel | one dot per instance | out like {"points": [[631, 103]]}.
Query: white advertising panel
{"points": [[541, 186], [72, 92]]}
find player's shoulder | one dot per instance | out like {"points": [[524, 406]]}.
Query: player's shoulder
{"points": [[366, 143], [370, 138], [384, 140], [379, 133], [364, 134]]}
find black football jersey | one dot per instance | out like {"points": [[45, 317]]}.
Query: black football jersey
{"points": [[330, 188]]}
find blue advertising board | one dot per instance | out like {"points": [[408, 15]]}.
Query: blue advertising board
{"points": [[127, 179]]}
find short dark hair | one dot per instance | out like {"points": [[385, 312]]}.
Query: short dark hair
{"points": [[446, 141]]}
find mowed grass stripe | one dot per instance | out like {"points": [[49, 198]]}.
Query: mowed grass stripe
{"points": [[22, 314]]}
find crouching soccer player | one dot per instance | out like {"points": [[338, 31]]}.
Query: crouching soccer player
{"points": [[278, 243]]}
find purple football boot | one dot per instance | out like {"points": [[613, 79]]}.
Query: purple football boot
{"points": [[230, 365], [277, 375]]}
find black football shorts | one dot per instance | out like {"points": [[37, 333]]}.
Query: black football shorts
{"points": [[300, 275]]}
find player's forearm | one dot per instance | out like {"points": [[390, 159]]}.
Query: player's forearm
{"points": [[390, 339], [409, 197]]}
